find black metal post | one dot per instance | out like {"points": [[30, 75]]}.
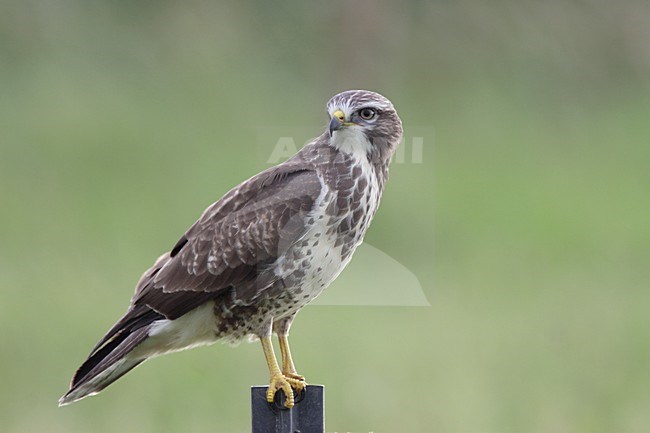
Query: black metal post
{"points": [[307, 415]]}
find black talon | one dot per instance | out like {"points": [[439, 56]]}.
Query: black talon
{"points": [[279, 399], [299, 396]]}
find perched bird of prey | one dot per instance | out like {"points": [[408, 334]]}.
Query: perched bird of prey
{"points": [[260, 253]]}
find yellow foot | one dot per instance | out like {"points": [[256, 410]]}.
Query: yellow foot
{"points": [[296, 380], [278, 382]]}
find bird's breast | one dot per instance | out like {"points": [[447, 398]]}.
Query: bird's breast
{"points": [[336, 226]]}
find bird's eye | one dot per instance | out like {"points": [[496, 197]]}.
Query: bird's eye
{"points": [[367, 113]]}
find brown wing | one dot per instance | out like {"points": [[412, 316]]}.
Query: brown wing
{"points": [[233, 244]]}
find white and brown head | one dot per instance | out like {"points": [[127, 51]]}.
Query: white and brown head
{"points": [[364, 123]]}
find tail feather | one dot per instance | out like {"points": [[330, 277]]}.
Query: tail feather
{"points": [[95, 375], [112, 357], [141, 334], [137, 317]]}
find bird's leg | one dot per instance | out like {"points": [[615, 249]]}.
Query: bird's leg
{"points": [[296, 380], [281, 327], [278, 381]]}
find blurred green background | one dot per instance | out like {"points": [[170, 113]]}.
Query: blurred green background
{"points": [[527, 222]]}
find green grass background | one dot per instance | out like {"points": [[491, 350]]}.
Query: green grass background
{"points": [[527, 222]]}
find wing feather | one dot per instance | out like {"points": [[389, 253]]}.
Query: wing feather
{"points": [[233, 243]]}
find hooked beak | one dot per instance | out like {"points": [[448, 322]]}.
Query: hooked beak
{"points": [[337, 122]]}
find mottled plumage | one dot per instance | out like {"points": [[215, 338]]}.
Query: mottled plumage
{"points": [[262, 252]]}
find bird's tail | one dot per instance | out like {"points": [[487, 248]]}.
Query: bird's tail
{"points": [[113, 356]]}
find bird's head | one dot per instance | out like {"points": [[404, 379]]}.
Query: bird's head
{"points": [[364, 122]]}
